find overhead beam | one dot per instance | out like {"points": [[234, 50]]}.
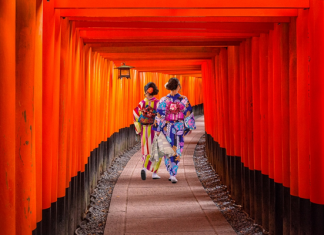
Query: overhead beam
{"points": [[214, 26], [177, 12], [161, 63], [164, 44], [223, 19], [153, 56], [179, 30], [147, 50], [143, 34], [221, 4], [148, 41]]}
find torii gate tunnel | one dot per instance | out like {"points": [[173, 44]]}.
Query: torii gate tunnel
{"points": [[256, 69]]}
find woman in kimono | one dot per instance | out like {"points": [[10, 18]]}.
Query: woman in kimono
{"points": [[144, 115], [175, 119]]}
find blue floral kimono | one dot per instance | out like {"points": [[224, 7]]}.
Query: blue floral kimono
{"points": [[175, 119]]}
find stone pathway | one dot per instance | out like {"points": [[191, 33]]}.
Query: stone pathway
{"points": [[160, 207]]}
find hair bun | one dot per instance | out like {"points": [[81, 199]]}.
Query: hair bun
{"points": [[172, 84]]}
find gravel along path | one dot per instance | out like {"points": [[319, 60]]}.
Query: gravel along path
{"points": [[234, 214], [96, 216]]}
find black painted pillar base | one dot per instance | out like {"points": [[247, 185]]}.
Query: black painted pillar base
{"points": [[251, 182], [231, 176], [265, 201], [60, 216], [317, 224], [286, 211], [237, 176], [247, 207], [305, 217], [294, 215], [258, 196], [272, 218], [279, 203], [242, 184], [268, 202], [46, 222]]}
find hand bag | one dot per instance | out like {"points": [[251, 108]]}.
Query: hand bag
{"points": [[160, 148]]}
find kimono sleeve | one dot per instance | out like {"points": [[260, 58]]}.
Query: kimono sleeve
{"points": [[189, 120], [159, 121], [136, 115]]}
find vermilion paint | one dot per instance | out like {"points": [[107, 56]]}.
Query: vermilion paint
{"points": [[270, 107], [256, 103], [48, 72], [293, 119], [277, 118], [284, 55], [243, 109], [316, 37], [264, 118], [8, 125], [25, 170], [249, 103]]}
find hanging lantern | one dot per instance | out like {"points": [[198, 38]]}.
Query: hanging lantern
{"points": [[124, 71]]}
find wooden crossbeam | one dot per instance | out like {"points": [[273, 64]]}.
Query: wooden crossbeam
{"points": [[185, 4], [143, 34], [164, 44], [222, 19], [213, 26], [177, 12], [157, 50]]}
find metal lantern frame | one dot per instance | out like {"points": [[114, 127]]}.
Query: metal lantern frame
{"points": [[124, 71]]}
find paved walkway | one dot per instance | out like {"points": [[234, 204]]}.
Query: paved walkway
{"points": [[160, 207]]}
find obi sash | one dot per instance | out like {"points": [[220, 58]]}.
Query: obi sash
{"points": [[174, 117], [174, 112]]}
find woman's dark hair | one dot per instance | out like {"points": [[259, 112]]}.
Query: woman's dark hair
{"points": [[172, 84], [155, 89]]}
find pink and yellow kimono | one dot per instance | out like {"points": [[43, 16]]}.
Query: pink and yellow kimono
{"points": [[146, 132]]}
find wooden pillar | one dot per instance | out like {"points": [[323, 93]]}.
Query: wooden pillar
{"points": [[55, 121], [25, 155], [256, 103], [214, 98], [271, 133], [256, 130], [230, 149], [224, 80], [47, 128], [277, 148], [316, 35], [244, 133], [243, 105], [38, 94], [230, 79], [237, 125], [7, 117], [284, 55], [263, 53], [293, 126], [277, 127], [249, 116]]}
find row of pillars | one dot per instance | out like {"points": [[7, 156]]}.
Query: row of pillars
{"points": [[263, 113], [60, 104]]}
